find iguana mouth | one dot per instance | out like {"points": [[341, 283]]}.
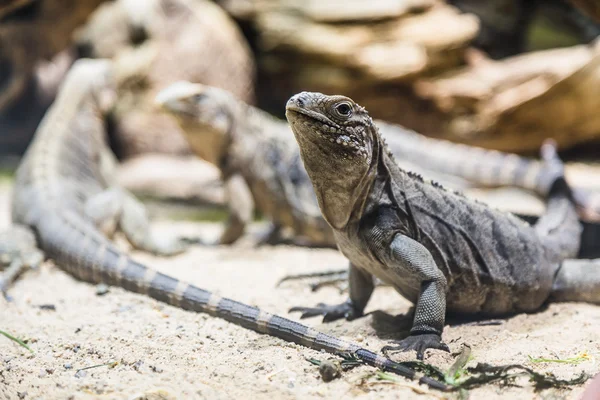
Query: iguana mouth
{"points": [[312, 115], [177, 107]]}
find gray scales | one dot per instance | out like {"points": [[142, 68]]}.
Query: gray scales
{"points": [[64, 199], [438, 249], [261, 165]]}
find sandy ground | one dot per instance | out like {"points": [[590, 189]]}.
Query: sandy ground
{"points": [[161, 352]]}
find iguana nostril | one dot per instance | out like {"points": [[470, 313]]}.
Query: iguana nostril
{"points": [[297, 100]]}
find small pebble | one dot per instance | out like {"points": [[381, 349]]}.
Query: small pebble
{"points": [[101, 289], [80, 374], [330, 370], [137, 365], [68, 366], [156, 369]]}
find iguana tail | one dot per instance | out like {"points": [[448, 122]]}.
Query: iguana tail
{"points": [[478, 165], [83, 252], [559, 228], [577, 280], [483, 167]]}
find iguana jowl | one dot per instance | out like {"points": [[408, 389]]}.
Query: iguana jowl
{"points": [[261, 166], [63, 198], [438, 249]]}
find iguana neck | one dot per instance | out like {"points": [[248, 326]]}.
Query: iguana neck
{"points": [[378, 190], [250, 130], [343, 198]]}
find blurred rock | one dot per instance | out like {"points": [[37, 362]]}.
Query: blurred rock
{"points": [[31, 31], [415, 63], [590, 7], [515, 104], [9, 6], [158, 42], [356, 10], [167, 177], [34, 40], [510, 27], [388, 50], [20, 118]]}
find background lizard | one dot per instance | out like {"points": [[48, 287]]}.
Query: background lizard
{"points": [[63, 198], [261, 165], [438, 249]]}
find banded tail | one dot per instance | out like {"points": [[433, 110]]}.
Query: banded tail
{"points": [[481, 166], [559, 227], [79, 249]]}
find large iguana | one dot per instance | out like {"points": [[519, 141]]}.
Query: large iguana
{"points": [[438, 249], [63, 199], [261, 166]]}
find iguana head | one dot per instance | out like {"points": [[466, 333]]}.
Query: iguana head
{"points": [[338, 144], [204, 113]]}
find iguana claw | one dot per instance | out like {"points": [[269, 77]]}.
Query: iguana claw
{"points": [[418, 342], [330, 313]]}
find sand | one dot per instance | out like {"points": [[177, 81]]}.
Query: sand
{"points": [[156, 351]]}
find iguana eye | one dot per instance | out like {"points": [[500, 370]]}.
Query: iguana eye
{"points": [[344, 109]]}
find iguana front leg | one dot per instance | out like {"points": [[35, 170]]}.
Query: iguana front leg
{"points": [[241, 208], [360, 286], [407, 257]]}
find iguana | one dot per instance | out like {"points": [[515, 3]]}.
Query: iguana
{"points": [[440, 250], [261, 166], [63, 199]]}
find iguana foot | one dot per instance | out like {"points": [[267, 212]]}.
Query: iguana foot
{"points": [[234, 229], [271, 237], [330, 313], [167, 246], [419, 343]]}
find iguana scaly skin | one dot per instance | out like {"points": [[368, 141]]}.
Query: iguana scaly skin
{"points": [[261, 166], [61, 191], [438, 249]]}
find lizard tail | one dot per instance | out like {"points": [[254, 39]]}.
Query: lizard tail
{"points": [[577, 280], [559, 228], [478, 165], [90, 257], [485, 167]]}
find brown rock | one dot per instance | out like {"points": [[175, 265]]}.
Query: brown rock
{"points": [[31, 31], [515, 104], [158, 42], [590, 7]]}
